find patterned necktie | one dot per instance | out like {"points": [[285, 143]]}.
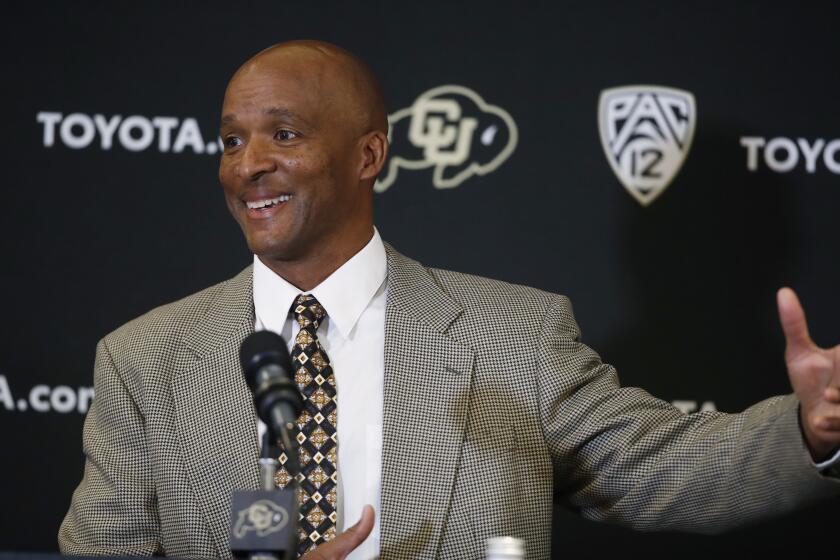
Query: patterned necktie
{"points": [[315, 431]]}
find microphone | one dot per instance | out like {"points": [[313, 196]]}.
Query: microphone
{"points": [[269, 374], [263, 523]]}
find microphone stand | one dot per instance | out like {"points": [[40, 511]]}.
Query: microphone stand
{"points": [[268, 463], [264, 522], [282, 439], [280, 543]]}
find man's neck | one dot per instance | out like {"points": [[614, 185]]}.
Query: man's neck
{"points": [[306, 273]]}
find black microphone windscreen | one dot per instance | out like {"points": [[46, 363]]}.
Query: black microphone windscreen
{"points": [[261, 345]]}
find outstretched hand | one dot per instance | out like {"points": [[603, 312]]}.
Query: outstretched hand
{"points": [[815, 376], [343, 544]]}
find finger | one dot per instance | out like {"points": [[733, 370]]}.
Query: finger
{"points": [[794, 325], [346, 542], [360, 531]]}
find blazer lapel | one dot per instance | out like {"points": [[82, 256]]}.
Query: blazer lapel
{"points": [[426, 387], [215, 415]]}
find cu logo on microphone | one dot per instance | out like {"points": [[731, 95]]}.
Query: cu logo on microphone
{"points": [[263, 517]]}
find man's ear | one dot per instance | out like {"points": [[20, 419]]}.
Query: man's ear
{"points": [[375, 152]]}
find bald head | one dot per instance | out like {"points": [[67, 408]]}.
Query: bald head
{"points": [[341, 82], [305, 135]]}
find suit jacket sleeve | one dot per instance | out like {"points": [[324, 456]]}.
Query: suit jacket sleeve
{"points": [[622, 455], [114, 509]]}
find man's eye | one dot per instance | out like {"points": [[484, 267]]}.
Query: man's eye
{"points": [[286, 135], [232, 142]]}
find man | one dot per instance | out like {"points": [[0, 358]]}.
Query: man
{"points": [[465, 402]]}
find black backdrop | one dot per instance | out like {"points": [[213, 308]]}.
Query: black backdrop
{"points": [[678, 294]]}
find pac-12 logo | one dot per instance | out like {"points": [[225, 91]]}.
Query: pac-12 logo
{"points": [[452, 130], [646, 132]]}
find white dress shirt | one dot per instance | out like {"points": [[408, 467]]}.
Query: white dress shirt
{"points": [[353, 336]]}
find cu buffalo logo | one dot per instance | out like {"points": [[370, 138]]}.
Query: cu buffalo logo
{"points": [[452, 130], [263, 516], [646, 132]]}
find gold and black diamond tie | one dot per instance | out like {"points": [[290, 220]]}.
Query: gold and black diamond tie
{"points": [[315, 433]]}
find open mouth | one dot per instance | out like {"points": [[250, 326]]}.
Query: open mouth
{"points": [[267, 203]]}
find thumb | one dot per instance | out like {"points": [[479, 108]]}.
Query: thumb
{"points": [[353, 537], [346, 542], [794, 325]]}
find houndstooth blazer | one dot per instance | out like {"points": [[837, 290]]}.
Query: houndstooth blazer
{"points": [[491, 405]]}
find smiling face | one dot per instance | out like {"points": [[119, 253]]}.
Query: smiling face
{"points": [[296, 167]]}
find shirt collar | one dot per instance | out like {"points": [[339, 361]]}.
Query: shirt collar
{"points": [[344, 294]]}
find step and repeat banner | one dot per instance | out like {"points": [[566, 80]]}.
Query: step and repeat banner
{"points": [[667, 166]]}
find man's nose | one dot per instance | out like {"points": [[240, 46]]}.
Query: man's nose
{"points": [[256, 160]]}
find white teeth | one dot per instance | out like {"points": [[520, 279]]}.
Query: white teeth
{"points": [[268, 202]]}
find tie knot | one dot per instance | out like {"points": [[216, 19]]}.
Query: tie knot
{"points": [[307, 311]]}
